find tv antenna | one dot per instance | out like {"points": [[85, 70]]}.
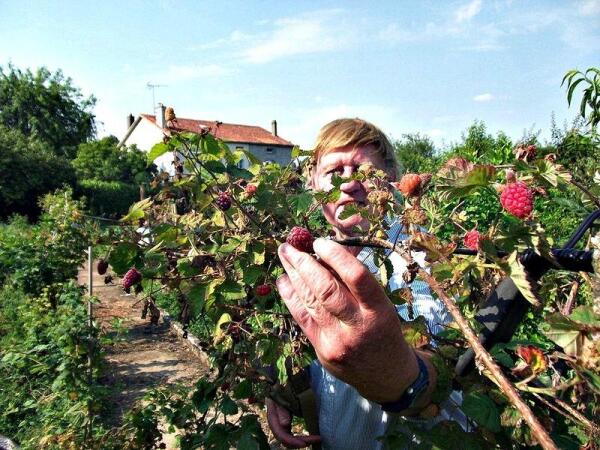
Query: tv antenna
{"points": [[149, 85]]}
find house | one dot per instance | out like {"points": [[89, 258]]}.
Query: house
{"points": [[147, 130]]}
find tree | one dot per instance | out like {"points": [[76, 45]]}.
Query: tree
{"points": [[102, 160], [46, 106], [415, 153], [28, 169], [480, 146]]}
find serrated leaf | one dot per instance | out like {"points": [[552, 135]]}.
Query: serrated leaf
{"points": [[137, 210], [433, 248], [157, 150], [123, 257], [521, 278], [219, 332], [231, 290], [482, 410], [456, 183], [534, 357], [228, 407], [564, 332], [300, 202], [585, 315]]}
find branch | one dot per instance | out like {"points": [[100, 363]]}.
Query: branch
{"points": [[481, 353]]}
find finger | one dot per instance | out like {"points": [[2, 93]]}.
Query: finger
{"points": [[296, 307], [355, 275], [282, 432], [312, 277]]}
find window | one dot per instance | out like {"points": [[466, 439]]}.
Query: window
{"points": [[269, 150]]}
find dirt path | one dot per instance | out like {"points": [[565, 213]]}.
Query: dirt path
{"points": [[141, 357]]}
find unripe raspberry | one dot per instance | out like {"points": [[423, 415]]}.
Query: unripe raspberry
{"points": [[102, 267], [263, 289], [301, 239], [409, 185], [471, 239], [224, 201], [170, 114], [517, 199], [131, 277], [250, 190]]}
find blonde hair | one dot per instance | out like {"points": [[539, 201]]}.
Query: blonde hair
{"points": [[354, 133]]}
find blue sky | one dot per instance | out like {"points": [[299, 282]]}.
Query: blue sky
{"points": [[409, 66]]}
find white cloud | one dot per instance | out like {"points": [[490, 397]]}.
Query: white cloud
{"points": [[468, 11], [487, 97], [301, 35], [589, 7], [435, 133]]}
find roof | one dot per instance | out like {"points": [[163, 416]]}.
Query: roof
{"points": [[228, 132]]}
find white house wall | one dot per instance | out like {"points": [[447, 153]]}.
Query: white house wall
{"points": [[147, 134]]}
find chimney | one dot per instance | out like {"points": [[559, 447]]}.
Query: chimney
{"points": [[130, 120], [160, 116], [274, 127]]}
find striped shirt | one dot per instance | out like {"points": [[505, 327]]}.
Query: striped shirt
{"points": [[348, 421]]}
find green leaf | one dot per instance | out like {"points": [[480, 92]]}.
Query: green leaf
{"points": [[585, 315], [257, 253], [228, 407], [572, 89], [200, 293], [137, 210], [157, 150], [123, 257], [456, 183], [564, 332], [232, 290], [593, 380], [300, 202], [243, 389], [247, 442], [521, 278], [482, 410]]}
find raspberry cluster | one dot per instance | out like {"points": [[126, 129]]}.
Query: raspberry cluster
{"points": [[471, 239], [223, 201], [301, 239], [517, 199], [131, 278]]}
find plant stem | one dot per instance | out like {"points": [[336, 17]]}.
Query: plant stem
{"points": [[481, 353], [585, 190]]}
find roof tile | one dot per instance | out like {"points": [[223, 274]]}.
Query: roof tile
{"points": [[228, 132]]}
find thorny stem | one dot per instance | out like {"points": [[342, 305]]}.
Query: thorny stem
{"points": [[481, 353]]}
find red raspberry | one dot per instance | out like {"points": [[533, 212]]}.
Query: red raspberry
{"points": [[301, 239], [517, 199], [471, 239], [250, 190], [224, 201], [102, 267], [409, 185], [263, 289], [131, 277]]}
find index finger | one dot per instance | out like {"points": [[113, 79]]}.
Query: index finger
{"points": [[356, 276]]}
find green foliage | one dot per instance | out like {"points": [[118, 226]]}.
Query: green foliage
{"points": [[415, 153], [108, 198], [590, 99], [479, 146], [46, 106], [48, 254], [45, 392], [102, 160], [28, 169]]}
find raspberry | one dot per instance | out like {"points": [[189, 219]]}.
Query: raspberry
{"points": [[409, 185], [102, 267], [517, 199], [131, 277], [525, 153], [250, 190], [224, 201], [301, 239], [471, 239], [263, 289]]}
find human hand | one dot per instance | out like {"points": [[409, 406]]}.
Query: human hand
{"points": [[280, 422], [351, 323]]}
